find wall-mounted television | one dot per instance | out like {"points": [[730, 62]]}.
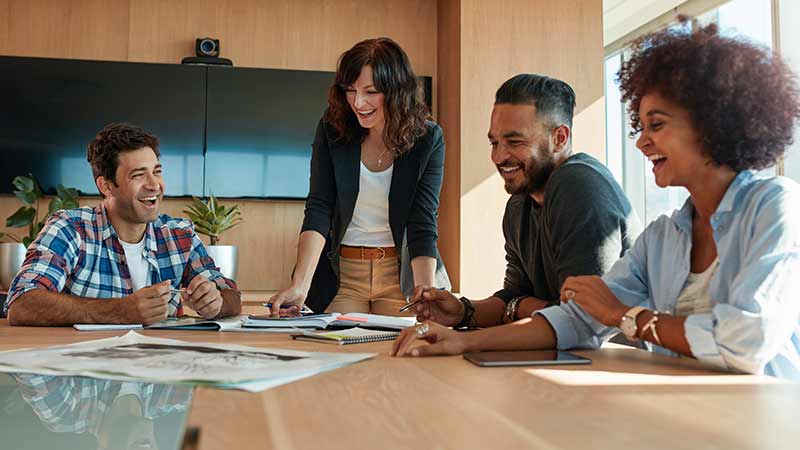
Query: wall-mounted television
{"points": [[230, 131], [52, 108], [261, 124]]}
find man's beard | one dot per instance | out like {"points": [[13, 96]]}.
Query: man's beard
{"points": [[537, 171], [128, 211]]}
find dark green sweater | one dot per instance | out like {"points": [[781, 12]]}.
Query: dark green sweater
{"points": [[584, 226]]}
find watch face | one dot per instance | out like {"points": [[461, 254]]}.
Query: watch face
{"points": [[628, 327]]}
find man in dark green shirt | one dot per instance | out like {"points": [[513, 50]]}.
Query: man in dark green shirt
{"points": [[566, 216]]}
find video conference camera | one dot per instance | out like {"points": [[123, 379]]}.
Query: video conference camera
{"points": [[207, 51]]}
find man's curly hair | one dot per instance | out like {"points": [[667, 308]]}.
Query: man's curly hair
{"points": [[742, 98], [103, 151]]}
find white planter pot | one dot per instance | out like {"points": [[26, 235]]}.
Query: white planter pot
{"points": [[227, 259], [11, 257]]}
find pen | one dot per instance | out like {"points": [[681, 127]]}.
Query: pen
{"points": [[304, 310], [406, 308]]}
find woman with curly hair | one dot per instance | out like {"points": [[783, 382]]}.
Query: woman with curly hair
{"points": [[717, 279], [369, 233]]}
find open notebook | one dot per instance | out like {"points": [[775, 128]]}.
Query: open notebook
{"points": [[172, 323], [348, 336], [332, 320]]}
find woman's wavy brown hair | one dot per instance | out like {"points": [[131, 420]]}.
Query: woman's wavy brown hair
{"points": [[742, 98], [404, 107]]}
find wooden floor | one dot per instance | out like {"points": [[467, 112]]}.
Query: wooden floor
{"points": [[626, 398]]}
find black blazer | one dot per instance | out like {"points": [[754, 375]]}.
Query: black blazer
{"points": [[413, 205]]}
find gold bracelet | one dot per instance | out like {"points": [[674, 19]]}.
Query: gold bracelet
{"points": [[651, 325]]}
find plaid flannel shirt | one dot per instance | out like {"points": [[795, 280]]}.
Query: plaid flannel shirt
{"points": [[78, 253], [78, 405]]}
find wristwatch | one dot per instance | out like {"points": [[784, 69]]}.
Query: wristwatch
{"points": [[510, 313], [628, 323]]}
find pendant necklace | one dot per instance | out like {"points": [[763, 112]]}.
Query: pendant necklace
{"points": [[380, 159]]}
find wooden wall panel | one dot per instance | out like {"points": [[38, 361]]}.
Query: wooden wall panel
{"points": [[300, 34], [81, 29], [5, 12], [449, 115]]}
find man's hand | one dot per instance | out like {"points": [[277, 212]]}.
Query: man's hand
{"points": [[441, 341], [203, 297], [148, 305], [438, 305]]}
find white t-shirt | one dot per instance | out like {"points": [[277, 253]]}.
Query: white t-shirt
{"points": [[138, 266], [695, 298], [370, 224]]}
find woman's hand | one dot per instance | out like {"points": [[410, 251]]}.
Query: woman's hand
{"points": [[438, 305], [441, 341], [292, 296], [594, 296]]}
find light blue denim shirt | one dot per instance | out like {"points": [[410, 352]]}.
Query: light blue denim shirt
{"points": [[754, 325]]}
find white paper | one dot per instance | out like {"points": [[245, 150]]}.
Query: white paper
{"points": [[134, 357]]}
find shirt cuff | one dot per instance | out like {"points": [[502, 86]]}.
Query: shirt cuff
{"points": [[566, 336], [699, 333], [17, 292]]}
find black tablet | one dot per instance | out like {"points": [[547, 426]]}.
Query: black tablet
{"points": [[524, 358]]}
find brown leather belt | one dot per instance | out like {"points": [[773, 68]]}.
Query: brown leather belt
{"points": [[367, 252]]}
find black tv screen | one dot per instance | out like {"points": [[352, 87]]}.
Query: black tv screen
{"points": [[261, 124], [52, 108], [227, 131]]}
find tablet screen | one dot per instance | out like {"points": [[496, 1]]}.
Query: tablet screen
{"points": [[524, 358]]}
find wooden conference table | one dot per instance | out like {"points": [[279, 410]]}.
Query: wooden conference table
{"points": [[626, 398]]}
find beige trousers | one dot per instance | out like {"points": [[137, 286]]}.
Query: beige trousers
{"points": [[369, 286]]}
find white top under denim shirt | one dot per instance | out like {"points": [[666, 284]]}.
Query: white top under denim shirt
{"points": [[753, 325]]}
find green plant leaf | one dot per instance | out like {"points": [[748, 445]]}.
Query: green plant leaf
{"points": [[27, 189], [69, 197], [23, 183], [26, 241], [55, 204], [23, 217]]}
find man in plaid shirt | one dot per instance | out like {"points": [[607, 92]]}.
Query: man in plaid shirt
{"points": [[119, 262]]}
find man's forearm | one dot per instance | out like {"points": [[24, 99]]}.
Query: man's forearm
{"points": [[533, 333], [489, 311], [530, 305], [231, 303], [40, 307]]}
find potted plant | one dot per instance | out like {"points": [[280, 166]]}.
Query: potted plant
{"points": [[28, 191], [212, 219]]}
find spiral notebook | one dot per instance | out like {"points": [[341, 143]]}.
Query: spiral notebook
{"points": [[348, 336]]}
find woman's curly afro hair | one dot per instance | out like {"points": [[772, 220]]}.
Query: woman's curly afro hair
{"points": [[742, 98]]}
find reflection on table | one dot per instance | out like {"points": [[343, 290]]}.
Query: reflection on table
{"points": [[64, 413]]}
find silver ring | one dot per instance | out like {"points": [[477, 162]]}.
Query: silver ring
{"points": [[422, 329]]}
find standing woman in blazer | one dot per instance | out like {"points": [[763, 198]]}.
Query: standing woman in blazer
{"points": [[369, 233]]}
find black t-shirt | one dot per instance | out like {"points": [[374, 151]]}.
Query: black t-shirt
{"points": [[585, 225]]}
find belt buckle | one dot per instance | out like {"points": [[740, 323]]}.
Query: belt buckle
{"points": [[362, 252], [383, 254]]}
